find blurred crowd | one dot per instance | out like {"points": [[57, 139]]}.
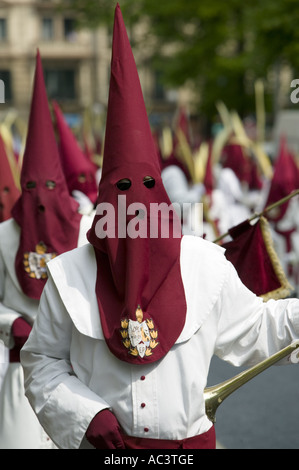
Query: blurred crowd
{"points": [[235, 180]]}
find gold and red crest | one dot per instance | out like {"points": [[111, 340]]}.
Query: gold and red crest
{"points": [[139, 336], [35, 261]]}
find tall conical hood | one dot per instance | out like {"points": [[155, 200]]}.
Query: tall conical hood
{"points": [[41, 159], [139, 285], [46, 213], [128, 135], [78, 170], [285, 180]]}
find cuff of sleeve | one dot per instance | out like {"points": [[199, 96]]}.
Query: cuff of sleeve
{"points": [[69, 411], [6, 321]]}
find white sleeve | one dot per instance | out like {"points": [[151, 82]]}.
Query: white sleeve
{"points": [[250, 330], [7, 315], [63, 404]]}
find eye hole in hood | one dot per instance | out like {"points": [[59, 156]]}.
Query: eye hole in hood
{"points": [[30, 184], [123, 184], [50, 184], [149, 182]]}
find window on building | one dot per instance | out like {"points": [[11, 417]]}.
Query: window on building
{"points": [[60, 83], [47, 29], [5, 76], [3, 29], [69, 26]]}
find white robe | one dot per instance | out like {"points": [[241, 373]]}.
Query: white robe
{"points": [[70, 374], [19, 427]]}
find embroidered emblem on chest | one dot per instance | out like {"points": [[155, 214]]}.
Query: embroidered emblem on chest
{"points": [[35, 261], [139, 336]]}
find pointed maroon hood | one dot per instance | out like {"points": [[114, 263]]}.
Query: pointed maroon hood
{"points": [[139, 287], [285, 180], [78, 169], [46, 213]]}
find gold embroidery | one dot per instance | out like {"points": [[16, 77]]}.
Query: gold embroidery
{"points": [[35, 261], [139, 336]]}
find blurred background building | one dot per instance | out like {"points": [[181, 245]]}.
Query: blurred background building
{"points": [[70, 59], [76, 62], [225, 66]]}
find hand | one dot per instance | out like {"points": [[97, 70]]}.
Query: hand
{"points": [[20, 331], [103, 431]]}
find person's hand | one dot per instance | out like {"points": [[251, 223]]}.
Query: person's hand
{"points": [[20, 331], [103, 431]]}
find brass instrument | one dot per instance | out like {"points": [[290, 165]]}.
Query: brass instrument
{"points": [[216, 394]]}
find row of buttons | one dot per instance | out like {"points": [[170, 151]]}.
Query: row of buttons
{"points": [[143, 404]]}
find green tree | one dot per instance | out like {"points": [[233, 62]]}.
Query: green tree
{"points": [[219, 48]]}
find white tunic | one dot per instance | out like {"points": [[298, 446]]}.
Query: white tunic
{"points": [[70, 374], [19, 427]]}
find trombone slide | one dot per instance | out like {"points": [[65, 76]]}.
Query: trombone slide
{"points": [[216, 394]]}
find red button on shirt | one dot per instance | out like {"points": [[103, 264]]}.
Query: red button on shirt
{"points": [[142, 377], [146, 430], [142, 405]]}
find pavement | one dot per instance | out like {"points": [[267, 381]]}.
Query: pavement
{"points": [[263, 413]]}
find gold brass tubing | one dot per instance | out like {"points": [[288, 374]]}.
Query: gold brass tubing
{"points": [[216, 394]]}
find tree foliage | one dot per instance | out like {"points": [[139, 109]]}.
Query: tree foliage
{"points": [[219, 47]]}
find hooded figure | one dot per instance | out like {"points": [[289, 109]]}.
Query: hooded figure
{"points": [[45, 212], [135, 318], [285, 180], [78, 169], [45, 223], [9, 192], [133, 289]]}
